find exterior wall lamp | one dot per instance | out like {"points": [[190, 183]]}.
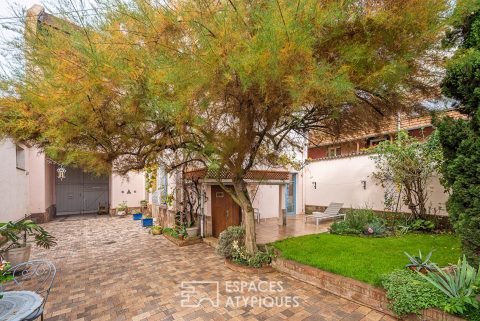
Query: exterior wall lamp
{"points": [[364, 184]]}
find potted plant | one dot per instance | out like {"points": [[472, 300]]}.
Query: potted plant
{"points": [[192, 229], [16, 233], [137, 216], [156, 230], [147, 221], [122, 209], [182, 232], [5, 275]]}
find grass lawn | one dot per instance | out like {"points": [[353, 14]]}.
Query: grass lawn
{"points": [[366, 258]]}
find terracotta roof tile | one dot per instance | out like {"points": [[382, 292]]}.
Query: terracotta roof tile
{"points": [[387, 127]]}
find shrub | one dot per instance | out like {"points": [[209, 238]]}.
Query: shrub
{"points": [[422, 225], [226, 239], [257, 260], [410, 293], [343, 228], [460, 287], [358, 218], [358, 221], [376, 227]]}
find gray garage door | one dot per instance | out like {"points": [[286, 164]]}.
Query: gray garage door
{"points": [[80, 192]]}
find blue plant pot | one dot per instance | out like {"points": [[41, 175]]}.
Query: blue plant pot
{"points": [[146, 222], [137, 216]]}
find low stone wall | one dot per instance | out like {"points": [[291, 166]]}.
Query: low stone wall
{"points": [[351, 289]]}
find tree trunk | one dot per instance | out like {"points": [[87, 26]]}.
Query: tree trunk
{"points": [[247, 208]]}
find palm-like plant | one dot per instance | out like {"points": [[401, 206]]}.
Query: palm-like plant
{"points": [[460, 287], [16, 234]]}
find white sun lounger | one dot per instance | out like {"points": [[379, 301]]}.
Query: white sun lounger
{"points": [[332, 211]]}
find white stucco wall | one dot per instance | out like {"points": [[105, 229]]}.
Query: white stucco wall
{"points": [[13, 183], [266, 200], [37, 181], [121, 185], [340, 180]]}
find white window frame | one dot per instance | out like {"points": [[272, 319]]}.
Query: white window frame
{"points": [[20, 158], [332, 151]]}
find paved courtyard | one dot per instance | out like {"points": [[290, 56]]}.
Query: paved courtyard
{"points": [[112, 269]]}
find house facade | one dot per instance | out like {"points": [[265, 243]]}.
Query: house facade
{"points": [[33, 186], [340, 168], [337, 170]]}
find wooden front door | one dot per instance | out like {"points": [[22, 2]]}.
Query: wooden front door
{"points": [[225, 212]]}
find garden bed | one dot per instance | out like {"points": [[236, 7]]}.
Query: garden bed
{"points": [[351, 289], [366, 258], [248, 269], [186, 242]]}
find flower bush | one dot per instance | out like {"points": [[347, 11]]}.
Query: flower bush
{"points": [[227, 238]]}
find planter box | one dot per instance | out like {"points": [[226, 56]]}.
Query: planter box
{"points": [[178, 242], [18, 255], [351, 289], [146, 222], [248, 269], [137, 216], [192, 231]]}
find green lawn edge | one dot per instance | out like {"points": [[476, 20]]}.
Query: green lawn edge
{"points": [[367, 259]]}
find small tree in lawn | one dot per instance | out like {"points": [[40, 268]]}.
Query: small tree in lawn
{"points": [[460, 138], [409, 164], [231, 85]]}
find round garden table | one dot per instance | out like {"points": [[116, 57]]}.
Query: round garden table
{"points": [[17, 305]]}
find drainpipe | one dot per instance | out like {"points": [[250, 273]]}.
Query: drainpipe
{"points": [[202, 211]]}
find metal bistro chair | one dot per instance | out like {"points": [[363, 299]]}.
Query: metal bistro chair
{"points": [[36, 276]]}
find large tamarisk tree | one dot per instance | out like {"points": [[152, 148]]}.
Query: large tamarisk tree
{"points": [[234, 84]]}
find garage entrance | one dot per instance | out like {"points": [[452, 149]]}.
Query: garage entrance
{"points": [[80, 192]]}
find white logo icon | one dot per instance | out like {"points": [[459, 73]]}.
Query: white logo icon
{"points": [[194, 293]]}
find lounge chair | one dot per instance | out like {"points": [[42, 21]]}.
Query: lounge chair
{"points": [[332, 211]]}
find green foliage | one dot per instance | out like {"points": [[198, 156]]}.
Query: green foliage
{"points": [[418, 263], [256, 260], [471, 313], [17, 233], [227, 238], [410, 293], [460, 138], [5, 275], [170, 231], [142, 81], [461, 286], [358, 221], [123, 207], [366, 258], [410, 164], [422, 225]]}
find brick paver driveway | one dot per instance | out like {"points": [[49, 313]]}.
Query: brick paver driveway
{"points": [[112, 269]]}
